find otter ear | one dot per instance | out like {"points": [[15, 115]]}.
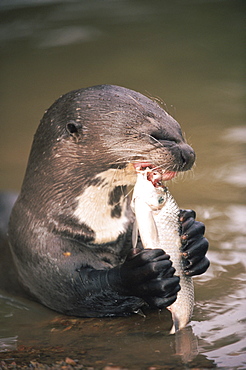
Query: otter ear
{"points": [[74, 129]]}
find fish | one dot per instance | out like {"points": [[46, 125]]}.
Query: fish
{"points": [[157, 222]]}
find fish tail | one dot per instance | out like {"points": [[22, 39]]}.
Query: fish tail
{"points": [[176, 324]]}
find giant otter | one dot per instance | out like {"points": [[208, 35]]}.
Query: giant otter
{"points": [[70, 229]]}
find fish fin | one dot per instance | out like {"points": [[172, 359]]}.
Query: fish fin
{"points": [[135, 234], [154, 233], [146, 224], [176, 324], [173, 330]]}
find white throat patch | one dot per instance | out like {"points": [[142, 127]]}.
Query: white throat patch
{"points": [[94, 209]]}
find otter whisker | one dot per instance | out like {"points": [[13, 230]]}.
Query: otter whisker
{"points": [[113, 112], [137, 102]]}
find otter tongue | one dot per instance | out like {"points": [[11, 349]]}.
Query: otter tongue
{"points": [[157, 177], [168, 175]]}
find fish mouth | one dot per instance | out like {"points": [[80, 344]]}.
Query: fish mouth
{"points": [[156, 173]]}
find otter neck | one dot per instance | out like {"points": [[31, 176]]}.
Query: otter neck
{"points": [[104, 205]]}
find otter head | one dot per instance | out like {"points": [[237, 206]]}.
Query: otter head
{"points": [[87, 149]]}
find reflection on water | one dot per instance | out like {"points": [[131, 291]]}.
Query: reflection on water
{"points": [[188, 54], [237, 174], [8, 344]]}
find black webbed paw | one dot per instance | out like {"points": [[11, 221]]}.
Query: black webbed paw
{"points": [[194, 244], [147, 275]]}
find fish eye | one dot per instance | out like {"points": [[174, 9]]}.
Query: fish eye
{"points": [[161, 200]]}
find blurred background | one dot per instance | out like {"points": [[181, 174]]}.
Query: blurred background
{"points": [[190, 56]]}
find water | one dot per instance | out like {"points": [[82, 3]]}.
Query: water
{"points": [[190, 56]]}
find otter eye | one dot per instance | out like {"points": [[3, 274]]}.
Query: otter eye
{"points": [[158, 136], [74, 129], [71, 128], [161, 136]]}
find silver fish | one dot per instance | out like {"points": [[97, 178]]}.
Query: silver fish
{"points": [[158, 225]]}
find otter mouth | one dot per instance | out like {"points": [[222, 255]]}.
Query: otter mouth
{"points": [[156, 173]]}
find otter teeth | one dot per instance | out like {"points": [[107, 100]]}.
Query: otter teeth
{"points": [[141, 166], [156, 174]]}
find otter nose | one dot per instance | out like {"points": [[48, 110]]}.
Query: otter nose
{"points": [[188, 156]]}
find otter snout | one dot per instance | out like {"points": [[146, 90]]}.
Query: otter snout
{"points": [[187, 156]]}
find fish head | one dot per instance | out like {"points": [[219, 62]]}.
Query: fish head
{"points": [[153, 196]]}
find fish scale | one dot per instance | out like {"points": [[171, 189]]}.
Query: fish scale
{"points": [[158, 224]]}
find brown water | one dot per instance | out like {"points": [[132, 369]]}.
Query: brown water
{"points": [[189, 55]]}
